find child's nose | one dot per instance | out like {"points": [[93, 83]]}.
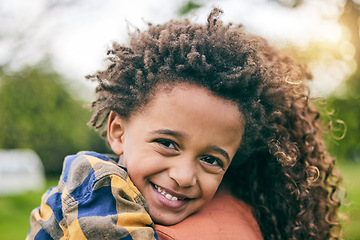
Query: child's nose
{"points": [[184, 173]]}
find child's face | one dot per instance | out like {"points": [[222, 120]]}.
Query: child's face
{"points": [[178, 148]]}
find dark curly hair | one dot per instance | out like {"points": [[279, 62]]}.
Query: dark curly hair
{"points": [[281, 168]]}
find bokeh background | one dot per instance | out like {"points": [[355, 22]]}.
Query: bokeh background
{"points": [[48, 46]]}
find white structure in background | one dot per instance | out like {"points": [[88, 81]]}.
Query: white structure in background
{"points": [[21, 170]]}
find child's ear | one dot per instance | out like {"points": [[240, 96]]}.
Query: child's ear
{"points": [[115, 133]]}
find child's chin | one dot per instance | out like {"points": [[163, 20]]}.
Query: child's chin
{"points": [[167, 221]]}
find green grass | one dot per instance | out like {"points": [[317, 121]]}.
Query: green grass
{"points": [[15, 213], [15, 210]]}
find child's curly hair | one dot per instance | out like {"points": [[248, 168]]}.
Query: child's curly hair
{"points": [[281, 168]]}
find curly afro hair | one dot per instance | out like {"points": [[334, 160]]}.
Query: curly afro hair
{"points": [[281, 168]]}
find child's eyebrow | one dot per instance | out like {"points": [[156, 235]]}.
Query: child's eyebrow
{"points": [[221, 151], [169, 132]]}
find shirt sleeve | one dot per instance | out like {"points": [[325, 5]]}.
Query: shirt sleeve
{"points": [[95, 199]]}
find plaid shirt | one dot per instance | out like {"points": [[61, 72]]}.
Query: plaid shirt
{"points": [[95, 199]]}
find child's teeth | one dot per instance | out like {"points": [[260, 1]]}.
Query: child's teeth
{"points": [[167, 195]]}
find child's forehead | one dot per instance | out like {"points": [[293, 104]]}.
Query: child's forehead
{"points": [[181, 89], [184, 93]]}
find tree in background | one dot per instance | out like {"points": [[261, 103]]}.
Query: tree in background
{"points": [[37, 112]]}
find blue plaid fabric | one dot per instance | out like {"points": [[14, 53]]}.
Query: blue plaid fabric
{"points": [[95, 199]]}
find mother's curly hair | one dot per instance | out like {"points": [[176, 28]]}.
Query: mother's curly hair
{"points": [[281, 168]]}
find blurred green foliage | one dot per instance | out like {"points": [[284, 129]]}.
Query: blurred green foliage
{"points": [[343, 113], [188, 7], [351, 208], [37, 112]]}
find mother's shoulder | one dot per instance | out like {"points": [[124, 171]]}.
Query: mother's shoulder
{"points": [[224, 217]]}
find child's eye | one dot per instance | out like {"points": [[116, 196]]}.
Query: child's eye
{"points": [[212, 161], [166, 143]]}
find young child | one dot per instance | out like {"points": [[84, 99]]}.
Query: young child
{"points": [[189, 106]]}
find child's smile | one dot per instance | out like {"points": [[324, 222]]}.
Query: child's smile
{"points": [[177, 149], [169, 198]]}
